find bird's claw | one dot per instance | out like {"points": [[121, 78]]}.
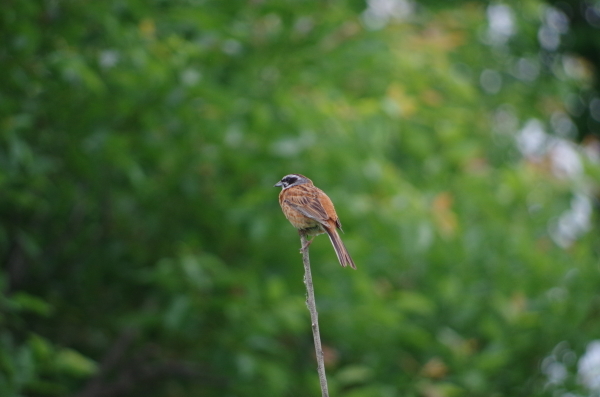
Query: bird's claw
{"points": [[308, 243]]}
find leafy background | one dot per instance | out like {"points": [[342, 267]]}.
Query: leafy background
{"points": [[145, 253]]}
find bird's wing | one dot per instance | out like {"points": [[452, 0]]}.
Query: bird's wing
{"points": [[310, 204]]}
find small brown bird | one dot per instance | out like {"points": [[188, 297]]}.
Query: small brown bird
{"points": [[311, 212]]}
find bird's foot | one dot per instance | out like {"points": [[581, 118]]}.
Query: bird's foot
{"points": [[308, 243]]}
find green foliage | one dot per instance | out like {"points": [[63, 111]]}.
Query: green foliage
{"points": [[145, 250]]}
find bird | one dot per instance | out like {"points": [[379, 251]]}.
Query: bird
{"points": [[311, 212]]}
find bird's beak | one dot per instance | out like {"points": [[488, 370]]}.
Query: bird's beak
{"points": [[278, 184]]}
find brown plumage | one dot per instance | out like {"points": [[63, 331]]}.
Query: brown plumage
{"points": [[311, 212]]}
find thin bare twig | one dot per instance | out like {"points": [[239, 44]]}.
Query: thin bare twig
{"points": [[314, 317]]}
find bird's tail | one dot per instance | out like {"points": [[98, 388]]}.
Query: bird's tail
{"points": [[340, 249]]}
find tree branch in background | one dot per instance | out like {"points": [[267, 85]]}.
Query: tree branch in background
{"points": [[121, 371], [314, 317]]}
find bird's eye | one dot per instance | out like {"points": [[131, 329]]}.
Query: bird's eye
{"points": [[290, 179]]}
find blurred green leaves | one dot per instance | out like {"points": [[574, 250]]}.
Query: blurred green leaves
{"points": [[34, 364], [139, 145]]}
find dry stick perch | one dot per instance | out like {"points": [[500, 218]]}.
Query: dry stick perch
{"points": [[314, 317]]}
